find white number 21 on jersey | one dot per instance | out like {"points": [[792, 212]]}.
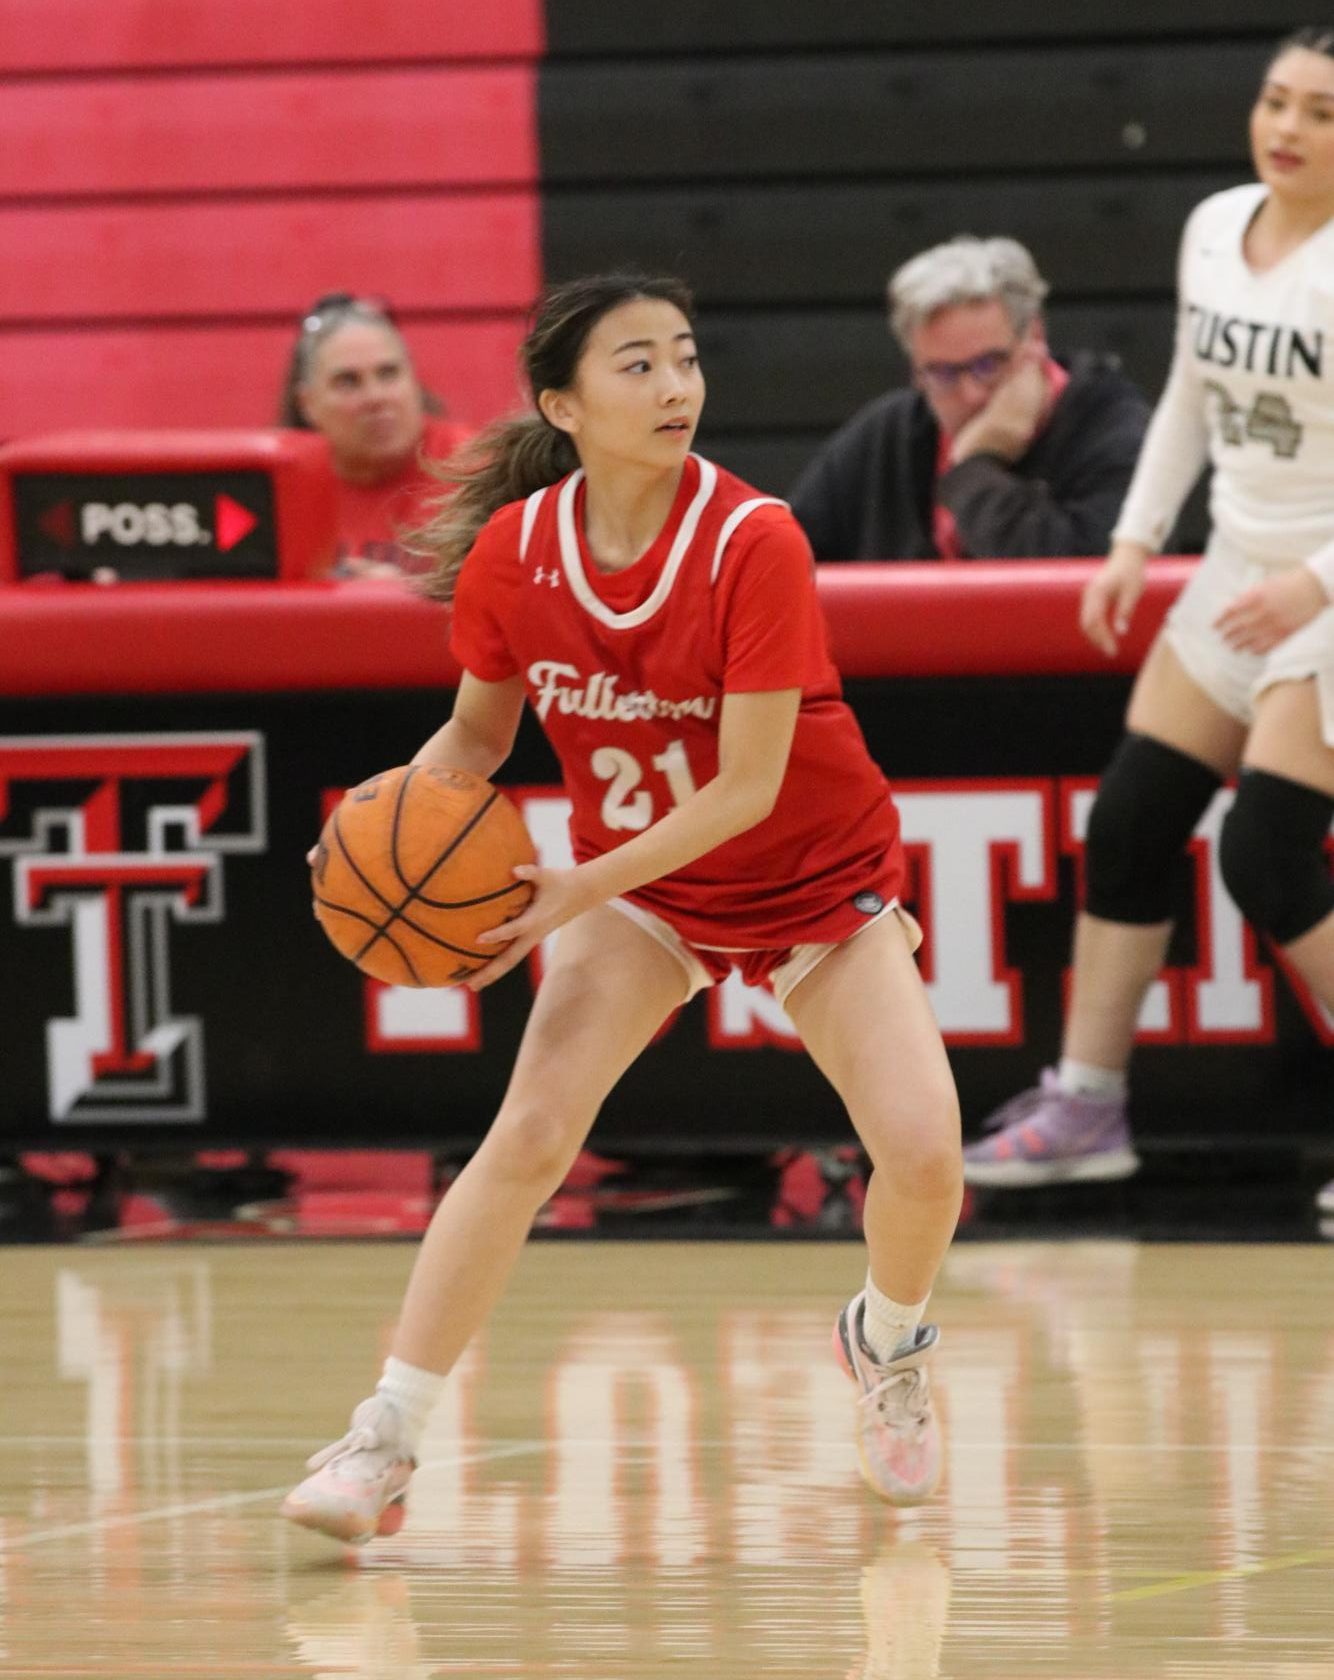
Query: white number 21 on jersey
{"points": [[626, 804]]}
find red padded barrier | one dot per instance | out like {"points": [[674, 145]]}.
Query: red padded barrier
{"points": [[112, 34], [136, 134], [925, 618], [224, 375], [982, 618], [422, 250]]}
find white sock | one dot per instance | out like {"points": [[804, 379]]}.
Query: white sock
{"points": [[414, 1393], [888, 1325], [1082, 1079]]}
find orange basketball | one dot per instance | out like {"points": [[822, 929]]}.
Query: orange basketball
{"points": [[412, 866]]}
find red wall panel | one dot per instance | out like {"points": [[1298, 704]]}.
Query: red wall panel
{"points": [[178, 181], [422, 250], [223, 375], [461, 126], [119, 34]]}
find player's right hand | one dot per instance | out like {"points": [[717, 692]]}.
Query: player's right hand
{"points": [[1112, 594]]}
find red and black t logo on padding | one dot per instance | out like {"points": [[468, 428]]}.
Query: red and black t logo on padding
{"points": [[118, 838]]}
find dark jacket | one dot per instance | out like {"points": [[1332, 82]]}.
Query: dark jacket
{"points": [[868, 493]]}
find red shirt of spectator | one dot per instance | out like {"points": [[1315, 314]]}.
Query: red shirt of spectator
{"points": [[352, 380], [372, 517]]}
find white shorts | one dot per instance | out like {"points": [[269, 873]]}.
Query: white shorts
{"points": [[1232, 680], [706, 965]]}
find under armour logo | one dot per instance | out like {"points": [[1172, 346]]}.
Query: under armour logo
{"points": [[552, 577]]}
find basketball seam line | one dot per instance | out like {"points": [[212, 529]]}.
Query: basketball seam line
{"points": [[393, 827], [396, 912], [357, 916], [469, 903], [450, 849], [415, 892], [361, 916]]}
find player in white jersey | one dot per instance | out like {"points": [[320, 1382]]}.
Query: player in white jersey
{"points": [[1241, 679]]}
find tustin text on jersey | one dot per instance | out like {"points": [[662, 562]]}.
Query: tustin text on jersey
{"points": [[1255, 346]]}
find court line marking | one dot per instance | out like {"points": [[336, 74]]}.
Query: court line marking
{"points": [[230, 1501], [301, 1442], [1215, 1577]]}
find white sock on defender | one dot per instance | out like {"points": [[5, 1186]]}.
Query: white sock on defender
{"points": [[1082, 1079], [888, 1325], [413, 1392]]}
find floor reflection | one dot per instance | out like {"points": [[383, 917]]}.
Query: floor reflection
{"points": [[386, 1624], [646, 1465]]}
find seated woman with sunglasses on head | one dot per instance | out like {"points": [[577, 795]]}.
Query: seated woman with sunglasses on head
{"points": [[351, 378], [997, 450]]}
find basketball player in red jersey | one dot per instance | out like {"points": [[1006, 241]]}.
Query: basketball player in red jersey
{"points": [[660, 617]]}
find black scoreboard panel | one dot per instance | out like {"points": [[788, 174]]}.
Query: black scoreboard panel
{"points": [[146, 525]]}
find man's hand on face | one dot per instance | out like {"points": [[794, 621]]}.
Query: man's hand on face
{"points": [[1014, 411]]}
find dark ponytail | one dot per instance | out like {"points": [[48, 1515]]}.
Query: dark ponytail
{"points": [[516, 456], [504, 463]]}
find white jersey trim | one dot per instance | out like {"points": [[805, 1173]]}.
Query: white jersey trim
{"points": [[531, 508], [733, 520], [573, 564]]}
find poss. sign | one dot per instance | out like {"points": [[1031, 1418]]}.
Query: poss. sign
{"points": [[146, 525]]}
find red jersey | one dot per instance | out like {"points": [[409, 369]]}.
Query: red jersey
{"points": [[627, 671], [372, 517]]}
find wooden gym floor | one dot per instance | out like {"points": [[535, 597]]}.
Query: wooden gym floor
{"points": [[645, 1469]]}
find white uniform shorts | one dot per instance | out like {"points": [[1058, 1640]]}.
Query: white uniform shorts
{"points": [[1232, 680], [707, 965]]}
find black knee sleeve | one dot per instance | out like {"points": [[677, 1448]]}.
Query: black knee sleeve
{"points": [[1148, 803], [1272, 854]]}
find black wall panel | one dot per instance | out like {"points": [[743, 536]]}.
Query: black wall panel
{"points": [[785, 156], [838, 242], [813, 367], [768, 460], [887, 114], [605, 27]]}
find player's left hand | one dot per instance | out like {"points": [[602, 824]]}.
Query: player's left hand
{"points": [[1260, 618], [558, 897], [1010, 420]]}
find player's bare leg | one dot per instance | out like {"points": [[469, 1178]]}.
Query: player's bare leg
{"points": [[1073, 1126], [864, 1016], [1114, 964], [607, 990]]}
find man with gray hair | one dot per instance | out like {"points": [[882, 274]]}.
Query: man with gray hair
{"points": [[998, 449]]}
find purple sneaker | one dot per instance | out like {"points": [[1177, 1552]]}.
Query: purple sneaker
{"points": [[1044, 1136]]}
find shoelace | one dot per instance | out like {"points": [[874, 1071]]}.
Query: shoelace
{"points": [[915, 1401], [362, 1438], [1018, 1108]]}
